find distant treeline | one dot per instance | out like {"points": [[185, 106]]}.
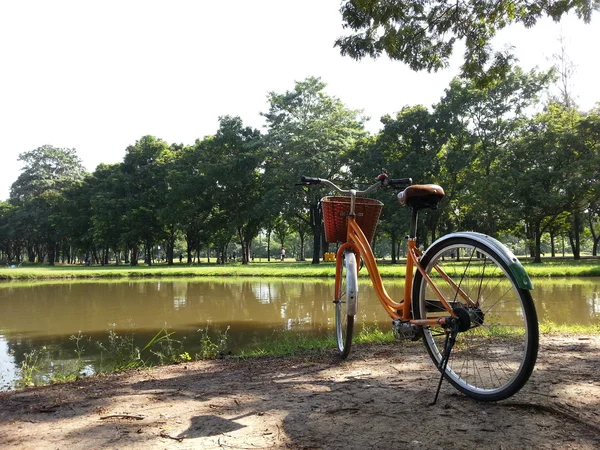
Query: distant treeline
{"points": [[505, 169]]}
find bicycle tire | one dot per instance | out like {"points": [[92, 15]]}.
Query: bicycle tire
{"points": [[493, 359], [347, 292]]}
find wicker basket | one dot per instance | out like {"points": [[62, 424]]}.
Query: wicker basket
{"points": [[336, 210]]}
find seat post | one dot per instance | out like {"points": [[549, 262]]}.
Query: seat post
{"points": [[414, 215]]}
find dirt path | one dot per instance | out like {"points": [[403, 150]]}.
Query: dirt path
{"points": [[376, 400]]}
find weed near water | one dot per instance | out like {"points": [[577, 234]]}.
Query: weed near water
{"points": [[120, 352]]}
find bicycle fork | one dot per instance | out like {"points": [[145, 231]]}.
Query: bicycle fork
{"points": [[351, 285]]}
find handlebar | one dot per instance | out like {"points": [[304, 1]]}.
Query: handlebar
{"points": [[382, 181]]}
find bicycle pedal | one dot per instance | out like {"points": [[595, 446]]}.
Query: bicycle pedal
{"points": [[405, 330]]}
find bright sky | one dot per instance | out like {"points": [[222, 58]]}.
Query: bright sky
{"points": [[98, 75]]}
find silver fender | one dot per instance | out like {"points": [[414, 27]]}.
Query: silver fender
{"points": [[351, 283], [516, 269]]}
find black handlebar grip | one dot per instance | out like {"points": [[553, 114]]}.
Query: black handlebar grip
{"points": [[310, 180], [399, 181]]}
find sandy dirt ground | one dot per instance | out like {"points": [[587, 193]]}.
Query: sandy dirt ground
{"points": [[378, 399]]}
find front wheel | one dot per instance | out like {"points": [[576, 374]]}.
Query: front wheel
{"points": [[346, 299], [493, 358]]}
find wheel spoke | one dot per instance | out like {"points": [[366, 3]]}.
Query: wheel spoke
{"points": [[494, 358]]}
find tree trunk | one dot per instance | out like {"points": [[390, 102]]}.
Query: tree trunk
{"points": [[301, 237], [393, 237], [538, 244], [51, 253], [148, 253], [595, 239], [170, 249], [575, 245], [575, 235], [189, 253], [95, 255], [31, 253], [245, 246], [134, 255]]}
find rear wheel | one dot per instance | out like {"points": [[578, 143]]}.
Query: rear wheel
{"points": [[346, 299], [493, 358]]}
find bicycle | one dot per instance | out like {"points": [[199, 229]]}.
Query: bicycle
{"points": [[466, 295]]}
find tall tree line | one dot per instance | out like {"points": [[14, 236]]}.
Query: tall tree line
{"points": [[504, 169]]}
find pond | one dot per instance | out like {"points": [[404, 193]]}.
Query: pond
{"points": [[64, 318]]}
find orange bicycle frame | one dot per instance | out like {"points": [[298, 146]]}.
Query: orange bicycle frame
{"points": [[357, 241]]}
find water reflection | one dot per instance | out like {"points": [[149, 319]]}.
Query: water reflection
{"points": [[7, 365], [34, 315]]}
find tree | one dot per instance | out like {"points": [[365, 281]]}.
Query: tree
{"points": [[475, 126], [309, 133], [300, 226], [406, 147], [423, 34], [282, 231], [46, 169], [192, 200], [564, 69], [235, 156], [539, 167], [7, 242], [145, 187], [108, 205], [47, 173], [584, 184]]}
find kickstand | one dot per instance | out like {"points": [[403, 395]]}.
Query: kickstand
{"points": [[448, 344]]}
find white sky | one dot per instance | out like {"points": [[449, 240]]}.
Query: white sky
{"points": [[98, 75]]}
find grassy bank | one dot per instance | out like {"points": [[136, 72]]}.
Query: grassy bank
{"points": [[120, 353], [550, 268]]}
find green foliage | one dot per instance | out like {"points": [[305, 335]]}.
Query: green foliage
{"points": [[309, 133], [165, 349], [31, 373], [503, 172], [212, 347], [46, 169], [371, 333], [423, 34], [38, 193], [285, 342], [234, 158], [548, 169], [119, 353]]}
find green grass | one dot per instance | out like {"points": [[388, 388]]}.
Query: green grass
{"points": [[550, 269], [179, 270], [550, 328], [121, 354]]}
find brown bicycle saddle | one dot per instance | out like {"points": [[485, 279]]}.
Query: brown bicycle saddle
{"points": [[421, 196]]}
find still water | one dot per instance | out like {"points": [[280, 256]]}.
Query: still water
{"points": [[48, 315]]}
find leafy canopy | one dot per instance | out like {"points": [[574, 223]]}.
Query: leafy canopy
{"points": [[422, 33], [46, 169]]}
